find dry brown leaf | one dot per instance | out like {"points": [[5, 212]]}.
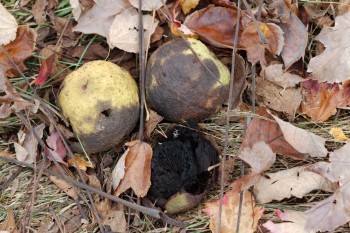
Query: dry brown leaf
{"points": [[321, 100], [296, 182], [124, 31], [111, 214], [152, 122], [188, 5], [19, 50], [294, 222], [95, 52], [8, 26], [251, 43], [275, 73], [302, 140], [295, 34], [214, 25], [338, 134], [250, 214], [100, 17], [147, 5], [70, 221], [279, 99], [26, 148], [64, 29], [82, 163], [9, 224], [343, 7], [39, 12], [332, 65], [65, 186], [137, 169]]}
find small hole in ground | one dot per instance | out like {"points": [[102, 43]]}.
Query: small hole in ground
{"points": [[106, 112]]}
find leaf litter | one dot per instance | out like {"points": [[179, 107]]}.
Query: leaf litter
{"points": [[284, 92]]}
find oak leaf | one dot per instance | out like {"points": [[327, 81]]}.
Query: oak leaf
{"points": [[19, 50], [133, 169], [250, 41], [332, 65], [8, 26]]}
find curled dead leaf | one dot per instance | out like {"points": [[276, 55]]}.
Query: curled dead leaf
{"points": [[8, 26]]}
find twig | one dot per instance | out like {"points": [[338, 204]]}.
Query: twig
{"points": [[230, 99], [6, 184], [261, 35], [149, 211]]}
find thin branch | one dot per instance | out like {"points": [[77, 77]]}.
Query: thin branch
{"points": [[261, 35], [149, 211], [230, 99]]}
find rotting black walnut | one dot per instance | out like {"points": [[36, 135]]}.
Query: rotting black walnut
{"points": [[180, 176], [185, 86]]}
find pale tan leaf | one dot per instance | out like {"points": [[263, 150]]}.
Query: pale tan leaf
{"points": [[152, 122], [296, 181], [65, 187], [9, 224], [147, 5], [302, 140], [124, 31], [275, 73], [250, 214], [333, 64], [76, 9], [8, 26]]}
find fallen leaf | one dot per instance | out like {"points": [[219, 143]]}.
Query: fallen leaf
{"points": [[260, 157], [124, 31], [333, 211], [321, 100], [94, 52], [279, 99], [8, 26], [239, 82], [147, 5], [10, 100], [111, 214], [100, 17], [65, 186], [56, 148], [302, 140], [45, 70], [251, 43], [250, 213], [182, 201], [137, 169], [27, 146], [82, 163], [70, 220], [19, 50], [39, 12], [76, 9], [295, 34], [338, 134], [296, 182], [332, 65], [275, 73], [64, 29], [214, 25], [294, 222], [152, 122], [188, 5], [9, 224], [269, 131]]}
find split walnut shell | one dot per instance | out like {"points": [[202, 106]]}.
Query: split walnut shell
{"points": [[185, 86], [101, 102]]}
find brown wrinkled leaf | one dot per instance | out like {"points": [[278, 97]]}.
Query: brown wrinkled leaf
{"points": [[321, 100], [64, 29], [39, 11], [291, 141], [295, 34], [152, 122], [188, 5], [296, 182], [250, 214], [294, 222], [82, 163], [332, 65], [214, 25], [8, 26], [65, 186], [70, 219], [239, 82], [111, 214], [275, 73], [9, 224], [95, 52], [137, 169], [19, 50], [251, 43], [279, 99], [27, 146], [99, 18]]}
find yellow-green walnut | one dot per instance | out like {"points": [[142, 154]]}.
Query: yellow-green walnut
{"points": [[182, 85], [101, 102]]}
